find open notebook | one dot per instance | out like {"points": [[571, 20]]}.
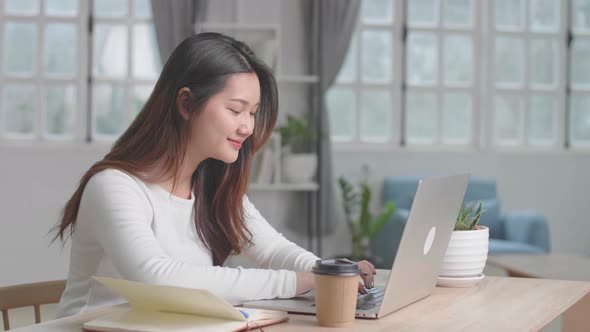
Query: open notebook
{"points": [[157, 308]]}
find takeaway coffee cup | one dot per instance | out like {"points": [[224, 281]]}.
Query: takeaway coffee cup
{"points": [[336, 287]]}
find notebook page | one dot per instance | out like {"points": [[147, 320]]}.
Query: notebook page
{"points": [[263, 314], [148, 297], [146, 321]]}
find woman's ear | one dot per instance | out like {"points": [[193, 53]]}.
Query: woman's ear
{"points": [[183, 102]]}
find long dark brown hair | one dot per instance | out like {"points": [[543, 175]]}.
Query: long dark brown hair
{"points": [[158, 137]]}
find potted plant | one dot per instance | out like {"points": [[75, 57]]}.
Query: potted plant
{"points": [[298, 164], [361, 222], [467, 252]]}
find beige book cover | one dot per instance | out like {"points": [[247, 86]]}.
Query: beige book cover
{"points": [[159, 308]]}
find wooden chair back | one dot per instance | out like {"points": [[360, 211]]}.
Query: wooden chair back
{"points": [[26, 295]]}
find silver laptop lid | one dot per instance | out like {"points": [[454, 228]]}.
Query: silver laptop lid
{"points": [[424, 241]]}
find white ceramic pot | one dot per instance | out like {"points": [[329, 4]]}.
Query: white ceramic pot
{"points": [[467, 253], [299, 167]]}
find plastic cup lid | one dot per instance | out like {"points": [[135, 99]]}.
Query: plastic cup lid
{"points": [[336, 267]]}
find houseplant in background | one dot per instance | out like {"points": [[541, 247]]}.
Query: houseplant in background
{"points": [[362, 224], [298, 164], [467, 252]]}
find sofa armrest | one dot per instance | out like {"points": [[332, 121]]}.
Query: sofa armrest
{"points": [[528, 226]]}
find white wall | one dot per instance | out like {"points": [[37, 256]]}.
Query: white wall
{"points": [[35, 184]]}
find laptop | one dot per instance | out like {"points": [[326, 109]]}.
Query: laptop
{"points": [[419, 256]]}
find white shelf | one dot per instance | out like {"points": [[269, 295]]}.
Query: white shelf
{"points": [[284, 187], [297, 79]]}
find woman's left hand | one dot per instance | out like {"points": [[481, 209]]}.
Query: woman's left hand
{"points": [[368, 272]]}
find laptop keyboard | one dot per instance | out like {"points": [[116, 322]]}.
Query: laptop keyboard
{"points": [[371, 299]]}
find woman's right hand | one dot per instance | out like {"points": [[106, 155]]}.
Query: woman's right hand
{"points": [[305, 282]]}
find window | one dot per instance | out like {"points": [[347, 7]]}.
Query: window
{"points": [[125, 64], [579, 74], [60, 73], [528, 94], [499, 73], [404, 42], [42, 77], [441, 72], [364, 101]]}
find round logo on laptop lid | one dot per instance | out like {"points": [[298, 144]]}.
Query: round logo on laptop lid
{"points": [[429, 240]]}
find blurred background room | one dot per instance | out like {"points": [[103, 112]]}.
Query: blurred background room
{"points": [[374, 91]]}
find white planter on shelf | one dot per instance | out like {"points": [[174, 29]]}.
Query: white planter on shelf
{"points": [[467, 253], [299, 167]]}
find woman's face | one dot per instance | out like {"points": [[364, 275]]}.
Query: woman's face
{"points": [[227, 119]]}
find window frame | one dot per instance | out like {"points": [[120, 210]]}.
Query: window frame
{"points": [[526, 90], [394, 86], [84, 80], [440, 87], [40, 81], [572, 89], [400, 30], [129, 82], [483, 135]]}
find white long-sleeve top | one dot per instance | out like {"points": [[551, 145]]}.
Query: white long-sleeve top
{"points": [[138, 231]]}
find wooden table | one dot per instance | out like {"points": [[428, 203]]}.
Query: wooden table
{"points": [[563, 267], [553, 266], [495, 304]]}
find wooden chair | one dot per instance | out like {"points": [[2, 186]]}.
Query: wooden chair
{"points": [[25, 295]]}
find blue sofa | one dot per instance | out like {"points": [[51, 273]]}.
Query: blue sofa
{"points": [[516, 232]]}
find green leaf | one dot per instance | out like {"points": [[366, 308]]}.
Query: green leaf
{"points": [[347, 198], [382, 219], [365, 216], [462, 213], [461, 227], [296, 133], [477, 216], [465, 213], [465, 219]]}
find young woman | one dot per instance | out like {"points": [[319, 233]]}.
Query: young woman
{"points": [[167, 204]]}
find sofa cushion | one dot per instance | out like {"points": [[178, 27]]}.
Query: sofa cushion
{"points": [[400, 190], [491, 217]]}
